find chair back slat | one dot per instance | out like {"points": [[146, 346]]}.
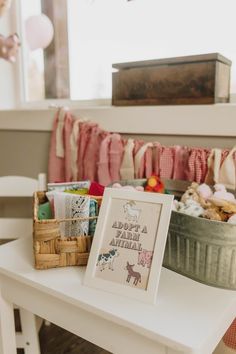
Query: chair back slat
{"points": [[18, 186]]}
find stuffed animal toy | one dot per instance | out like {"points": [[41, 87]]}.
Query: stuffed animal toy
{"points": [[199, 193], [220, 210], [229, 208], [214, 213], [222, 194], [204, 190], [199, 200], [190, 207], [154, 184], [232, 219], [192, 193]]}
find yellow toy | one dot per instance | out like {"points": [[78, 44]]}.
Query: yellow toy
{"points": [[154, 184]]}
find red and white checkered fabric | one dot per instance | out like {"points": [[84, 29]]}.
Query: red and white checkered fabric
{"points": [[166, 162], [197, 164], [230, 336]]}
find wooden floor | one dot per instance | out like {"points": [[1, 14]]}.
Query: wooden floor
{"points": [[55, 340]]}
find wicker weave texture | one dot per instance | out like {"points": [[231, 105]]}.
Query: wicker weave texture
{"points": [[50, 249]]}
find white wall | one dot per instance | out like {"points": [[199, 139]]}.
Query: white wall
{"points": [[8, 85], [103, 32]]}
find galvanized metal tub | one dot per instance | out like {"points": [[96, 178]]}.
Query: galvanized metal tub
{"points": [[202, 249]]}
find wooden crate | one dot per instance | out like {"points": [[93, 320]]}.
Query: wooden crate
{"points": [[198, 79], [50, 249]]}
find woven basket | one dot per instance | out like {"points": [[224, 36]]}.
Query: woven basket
{"points": [[50, 249]]}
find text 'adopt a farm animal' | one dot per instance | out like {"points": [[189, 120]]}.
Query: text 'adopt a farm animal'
{"points": [[127, 235]]}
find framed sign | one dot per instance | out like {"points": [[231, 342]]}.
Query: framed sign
{"points": [[129, 242]]}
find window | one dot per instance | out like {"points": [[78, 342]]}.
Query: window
{"points": [[102, 32], [33, 61], [45, 72]]}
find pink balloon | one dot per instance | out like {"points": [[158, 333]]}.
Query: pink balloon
{"points": [[39, 31]]}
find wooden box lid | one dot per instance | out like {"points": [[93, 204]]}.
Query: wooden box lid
{"points": [[172, 61]]}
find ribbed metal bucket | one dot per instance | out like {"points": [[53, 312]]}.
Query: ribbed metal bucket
{"points": [[202, 249]]}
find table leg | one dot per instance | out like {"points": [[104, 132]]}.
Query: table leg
{"points": [[28, 338], [7, 327]]}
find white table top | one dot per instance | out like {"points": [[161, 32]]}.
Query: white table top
{"points": [[188, 316]]}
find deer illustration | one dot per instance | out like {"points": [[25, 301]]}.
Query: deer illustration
{"points": [[132, 273]]}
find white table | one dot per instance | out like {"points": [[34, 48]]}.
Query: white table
{"points": [[189, 317]]}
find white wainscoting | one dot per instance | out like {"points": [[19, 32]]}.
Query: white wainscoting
{"points": [[203, 120]]}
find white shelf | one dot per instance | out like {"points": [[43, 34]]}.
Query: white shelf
{"points": [[202, 120]]}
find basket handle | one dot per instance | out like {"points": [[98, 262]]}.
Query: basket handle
{"points": [[81, 219]]}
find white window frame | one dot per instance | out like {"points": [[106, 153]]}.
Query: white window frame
{"points": [[21, 72]]}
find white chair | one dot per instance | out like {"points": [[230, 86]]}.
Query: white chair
{"points": [[13, 228], [18, 186]]}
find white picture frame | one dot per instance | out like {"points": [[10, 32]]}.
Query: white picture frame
{"points": [[129, 242]]}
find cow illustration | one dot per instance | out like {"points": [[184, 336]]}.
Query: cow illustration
{"points": [[145, 258], [107, 259]]}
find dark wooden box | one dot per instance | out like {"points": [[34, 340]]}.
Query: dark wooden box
{"points": [[198, 79]]}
